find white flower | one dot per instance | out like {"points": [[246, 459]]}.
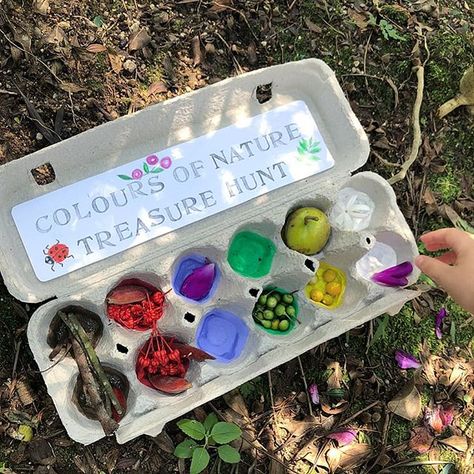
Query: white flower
{"points": [[352, 210]]}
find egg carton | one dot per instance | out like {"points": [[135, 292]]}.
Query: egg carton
{"points": [[155, 261]]}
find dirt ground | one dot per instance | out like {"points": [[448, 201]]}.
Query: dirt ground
{"points": [[66, 67]]}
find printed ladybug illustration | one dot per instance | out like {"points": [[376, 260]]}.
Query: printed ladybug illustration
{"points": [[56, 254]]}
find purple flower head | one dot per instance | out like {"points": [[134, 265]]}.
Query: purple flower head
{"points": [[343, 437], [152, 160], [394, 276], [439, 321], [137, 174], [314, 393], [165, 162], [406, 360]]}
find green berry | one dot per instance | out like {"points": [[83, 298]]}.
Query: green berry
{"points": [[268, 314], [258, 315], [262, 299], [291, 311], [280, 310], [275, 324], [288, 299], [276, 295], [266, 324], [271, 302], [283, 325]]}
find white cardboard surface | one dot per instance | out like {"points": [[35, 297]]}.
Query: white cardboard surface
{"points": [[106, 214]]}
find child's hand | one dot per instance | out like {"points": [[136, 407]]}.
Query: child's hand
{"points": [[454, 270]]}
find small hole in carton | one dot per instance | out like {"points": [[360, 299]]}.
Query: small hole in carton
{"points": [[253, 292], [264, 93], [368, 240], [44, 174], [122, 349], [189, 317], [310, 264]]}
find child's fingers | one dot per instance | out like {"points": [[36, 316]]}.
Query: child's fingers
{"points": [[448, 257], [438, 271], [446, 238]]}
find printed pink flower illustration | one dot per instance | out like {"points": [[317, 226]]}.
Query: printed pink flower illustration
{"points": [[165, 162], [152, 159], [149, 166], [137, 174]]}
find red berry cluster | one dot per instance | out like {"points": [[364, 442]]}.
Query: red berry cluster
{"points": [[158, 357], [139, 316]]}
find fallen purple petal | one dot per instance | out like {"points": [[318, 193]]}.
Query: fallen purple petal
{"points": [[314, 393], [439, 321], [343, 437], [433, 419], [406, 360], [394, 276], [447, 415], [198, 283]]}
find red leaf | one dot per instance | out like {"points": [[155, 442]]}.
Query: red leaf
{"points": [[191, 352], [421, 440], [96, 48], [171, 385]]}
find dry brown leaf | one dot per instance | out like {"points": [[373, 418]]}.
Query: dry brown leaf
{"points": [[358, 18], [312, 26], [56, 36], [421, 440], [41, 6], [220, 6], [334, 409], [335, 379], [197, 53], [96, 48], [459, 443], [353, 455], [235, 401], [139, 40], [116, 61], [407, 402], [71, 87], [164, 442], [430, 201], [23, 38], [157, 87]]}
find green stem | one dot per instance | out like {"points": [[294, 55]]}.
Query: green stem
{"points": [[80, 335], [310, 218]]}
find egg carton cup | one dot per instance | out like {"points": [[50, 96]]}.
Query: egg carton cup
{"points": [[155, 261]]}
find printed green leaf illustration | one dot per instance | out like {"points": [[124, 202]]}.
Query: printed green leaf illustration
{"points": [[192, 428], [146, 168], [200, 460], [223, 432], [308, 149], [125, 177], [156, 170], [185, 449]]}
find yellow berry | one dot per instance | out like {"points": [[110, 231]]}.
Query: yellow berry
{"points": [[334, 288], [329, 275], [328, 300], [316, 295]]}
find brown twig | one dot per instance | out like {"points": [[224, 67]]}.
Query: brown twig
{"points": [[305, 387], [419, 68], [91, 389], [386, 425]]}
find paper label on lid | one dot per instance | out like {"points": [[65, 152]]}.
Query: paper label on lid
{"points": [[103, 215]]}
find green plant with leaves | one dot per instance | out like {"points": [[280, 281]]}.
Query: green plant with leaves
{"points": [[214, 434], [307, 148], [387, 29]]}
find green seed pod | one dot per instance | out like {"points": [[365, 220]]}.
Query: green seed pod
{"points": [[288, 299], [258, 315], [268, 314], [266, 324], [280, 310], [271, 302], [262, 299], [275, 324], [276, 295], [283, 325], [291, 311]]}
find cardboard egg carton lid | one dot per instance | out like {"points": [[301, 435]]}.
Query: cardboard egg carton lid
{"points": [[161, 130]]}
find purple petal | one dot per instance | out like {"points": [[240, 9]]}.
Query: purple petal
{"points": [[406, 360], [394, 276], [447, 415], [343, 437], [439, 320], [314, 393], [433, 419], [198, 283]]}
